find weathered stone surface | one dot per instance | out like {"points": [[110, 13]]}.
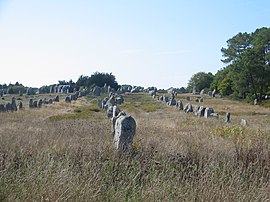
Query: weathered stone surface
{"points": [[179, 105], [2, 108], [199, 99], [196, 110], [188, 108], [50, 101], [124, 132], [68, 99], [8, 106], [35, 105], [116, 111], [214, 115], [228, 117], [99, 103], [214, 93], [172, 102], [243, 122], [56, 98], [202, 92], [109, 111], [13, 104], [119, 100], [20, 105], [97, 91], [201, 111], [165, 99], [40, 102], [208, 112], [255, 102], [31, 103]]}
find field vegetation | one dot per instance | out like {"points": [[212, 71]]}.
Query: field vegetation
{"points": [[64, 152]]}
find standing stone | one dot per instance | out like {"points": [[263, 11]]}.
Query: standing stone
{"points": [[228, 117], [35, 105], [20, 105], [50, 101], [188, 108], [255, 102], [116, 111], [39, 103], [196, 110], [8, 107], [172, 102], [124, 132], [56, 98], [208, 112], [119, 100], [187, 98], [214, 93], [31, 103], [100, 103], [13, 104], [109, 111], [68, 99], [179, 105], [2, 108], [202, 92], [243, 122], [165, 99], [201, 111], [97, 91]]}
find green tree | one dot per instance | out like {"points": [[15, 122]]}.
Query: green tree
{"points": [[201, 80], [97, 79], [248, 56]]}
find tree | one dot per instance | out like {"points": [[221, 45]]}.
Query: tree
{"points": [[248, 56], [97, 79], [200, 80]]}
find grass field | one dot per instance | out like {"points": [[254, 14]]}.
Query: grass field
{"points": [[64, 152]]}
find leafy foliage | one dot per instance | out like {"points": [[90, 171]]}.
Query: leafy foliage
{"points": [[201, 80], [98, 79]]}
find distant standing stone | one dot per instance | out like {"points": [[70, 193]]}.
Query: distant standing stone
{"points": [[243, 122], [228, 117]]}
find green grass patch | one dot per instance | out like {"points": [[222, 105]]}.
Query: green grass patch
{"points": [[140, 101], [265, 104], [83, 112]]}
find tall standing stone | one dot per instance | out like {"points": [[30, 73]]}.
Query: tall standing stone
{"points": [[39, 103], [13, 104], [125, 129], [228, 117], [179, 105], [31, 103], [97, 91], [208, 112]]}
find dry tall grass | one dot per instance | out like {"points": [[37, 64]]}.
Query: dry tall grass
{"points": [[175, 157]]}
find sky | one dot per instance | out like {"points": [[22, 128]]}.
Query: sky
{"points": [[159, 43]]}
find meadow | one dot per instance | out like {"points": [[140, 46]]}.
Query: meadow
{"points": [[64, 152]]}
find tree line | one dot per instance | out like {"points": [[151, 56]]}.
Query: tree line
{"points": [[247, 71], [96, 79]]}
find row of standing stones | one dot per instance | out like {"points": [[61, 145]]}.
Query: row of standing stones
{"points": [[199, 111], [13, 106], [123, 125]]}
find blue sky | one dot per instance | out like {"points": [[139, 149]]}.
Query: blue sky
{"points": [[158, 43]]}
